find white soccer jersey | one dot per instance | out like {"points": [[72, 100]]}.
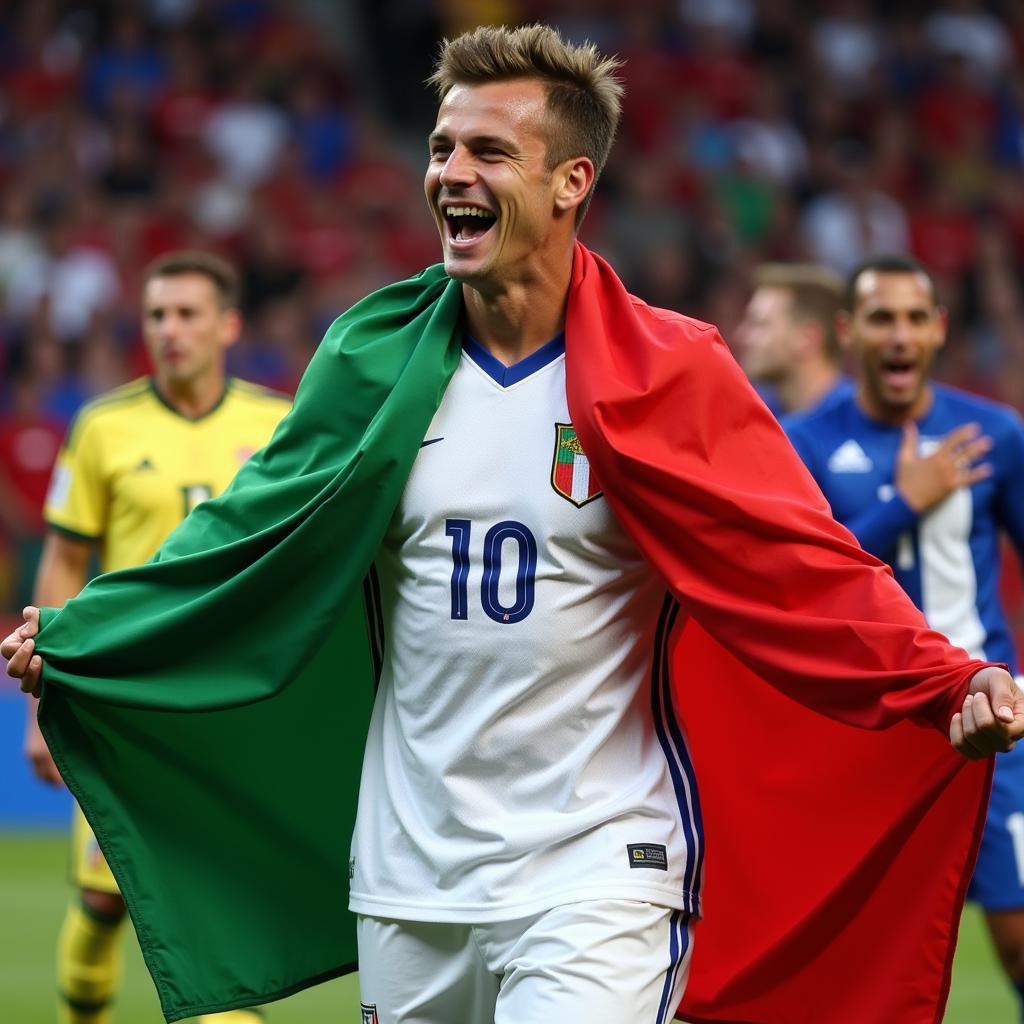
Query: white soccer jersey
{"points": [[521, 752]]}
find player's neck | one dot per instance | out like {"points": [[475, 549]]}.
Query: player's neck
{"points": [[806, 388], [516, 321], [192, 398], [894, 415]]}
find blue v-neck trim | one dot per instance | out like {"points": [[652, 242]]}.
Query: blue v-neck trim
{"points": [[506, 376]]}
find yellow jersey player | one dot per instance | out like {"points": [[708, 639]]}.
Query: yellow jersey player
{"points": [[134, 464]]}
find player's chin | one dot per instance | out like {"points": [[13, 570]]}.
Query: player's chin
{"points": [[466, 270]]}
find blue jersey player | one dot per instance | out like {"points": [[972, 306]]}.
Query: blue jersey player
{"points": [[928, 477]]}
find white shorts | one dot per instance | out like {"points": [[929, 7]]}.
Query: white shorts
{"points": [[601, 961]]}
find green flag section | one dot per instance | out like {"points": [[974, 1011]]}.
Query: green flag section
{"points": [[257, 590]]}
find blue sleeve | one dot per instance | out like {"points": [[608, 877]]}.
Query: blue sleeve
{"points": [[1008, 460], [879, 526], [800, 439]]}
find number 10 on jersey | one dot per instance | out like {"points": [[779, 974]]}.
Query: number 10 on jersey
{"points": [[506, 532]]}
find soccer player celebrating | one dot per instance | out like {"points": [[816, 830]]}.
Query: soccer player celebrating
{"points": [[523, 458], [135, 463], [787, 341], [928, 477]]}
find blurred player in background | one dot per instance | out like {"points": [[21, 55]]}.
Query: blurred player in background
{"points": [[928, 477], [786, 342], [134, 464]]}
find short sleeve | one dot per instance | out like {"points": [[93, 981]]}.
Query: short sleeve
{"points": [[77, 502]]}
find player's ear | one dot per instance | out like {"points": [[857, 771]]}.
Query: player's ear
{"points": [[573, 180], [943, 317], [843, 330], [811, 337], [231, 327]]}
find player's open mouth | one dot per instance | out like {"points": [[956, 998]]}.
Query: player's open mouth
{"points": [[899, 373], [467, 224]]}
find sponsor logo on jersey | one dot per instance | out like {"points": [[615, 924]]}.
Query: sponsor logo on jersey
{"points": [[369, 1013], [571, 475], [849, 457], [647, 855], [145, 466], [433, 440]]}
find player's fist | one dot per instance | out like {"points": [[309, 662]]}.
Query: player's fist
{"points": [[20, 651], [992, 717]]}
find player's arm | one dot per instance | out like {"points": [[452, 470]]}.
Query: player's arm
{"points": [[920, 483], [879, 524], [1008, 458], [63, 571]]}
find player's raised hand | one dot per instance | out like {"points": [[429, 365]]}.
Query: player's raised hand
{"points": [[992, 717], [924, 480], [20, 649]]}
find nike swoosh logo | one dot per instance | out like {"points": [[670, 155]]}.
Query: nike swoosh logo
{"points": [[433, 440]]}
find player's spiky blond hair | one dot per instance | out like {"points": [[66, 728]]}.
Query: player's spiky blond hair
{"points": [[584, 95]]}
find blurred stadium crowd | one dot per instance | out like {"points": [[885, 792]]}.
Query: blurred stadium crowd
{"points": [[291, 138]]}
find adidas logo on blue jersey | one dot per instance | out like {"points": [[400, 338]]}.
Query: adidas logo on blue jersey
{"points": [[849, 457]]}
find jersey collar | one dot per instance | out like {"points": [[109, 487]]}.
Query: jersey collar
{"points": [[504, 375]]}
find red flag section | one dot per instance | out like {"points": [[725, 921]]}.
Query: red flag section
{"points": [[841, 827]]}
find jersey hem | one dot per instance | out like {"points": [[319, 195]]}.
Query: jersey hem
{"points": [[371, 906]]}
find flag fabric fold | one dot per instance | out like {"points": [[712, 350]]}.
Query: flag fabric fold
{"points": [[208, 709]]}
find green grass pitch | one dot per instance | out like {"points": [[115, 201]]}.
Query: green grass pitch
{"points": [[33, 895]]}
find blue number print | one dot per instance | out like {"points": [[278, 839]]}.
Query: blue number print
{"points": [[525, 574], [458, 530]]}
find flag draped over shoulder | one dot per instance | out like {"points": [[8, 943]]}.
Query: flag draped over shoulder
{"points": [[208, 709]]}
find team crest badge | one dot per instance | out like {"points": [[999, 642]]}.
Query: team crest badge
{"points": [[369, 1013], [571, 475]]}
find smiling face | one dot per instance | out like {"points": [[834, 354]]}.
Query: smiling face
{"points": [[500, 210], [894, 331], [186, 330]]}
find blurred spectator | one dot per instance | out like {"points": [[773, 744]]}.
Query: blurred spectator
{"points": [[965, 29], [269, 270], [952, 108], [180, 110], [733, 18], [853, 220], [131, 173], [645, 217], [767, 141], [245, 132], [67, 283], [19, 243], [720, 71], [320, 127], [943, 233], [1009, 129], [29, 441], [847, 44], [129, 71]]}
